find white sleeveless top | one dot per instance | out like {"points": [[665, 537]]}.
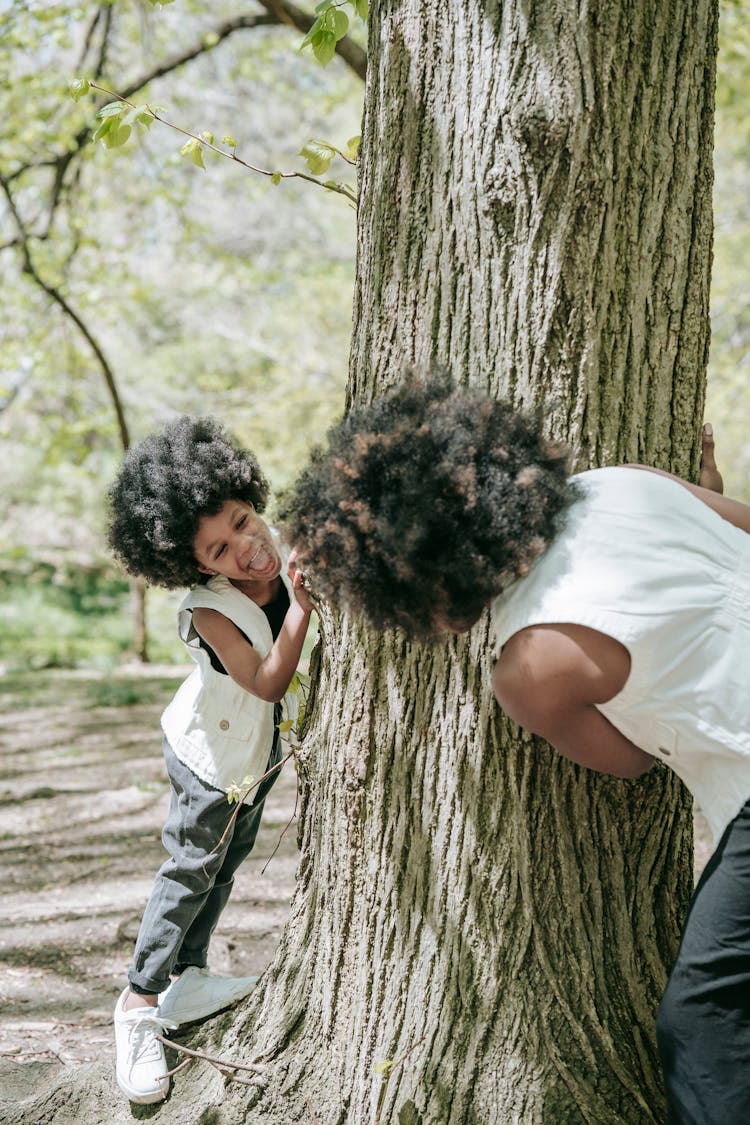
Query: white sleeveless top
{"points": [[217, 729], [643, 560]]}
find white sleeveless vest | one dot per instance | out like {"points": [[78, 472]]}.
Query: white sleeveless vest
{"points": [[643, 560], [220, 731]]}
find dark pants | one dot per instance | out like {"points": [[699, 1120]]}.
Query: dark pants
{"points": [[192, 887], [703, 1026]]}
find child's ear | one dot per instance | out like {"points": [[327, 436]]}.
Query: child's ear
{"points": [[204, 569]]}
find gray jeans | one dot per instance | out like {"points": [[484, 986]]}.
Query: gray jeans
{"points": [[193, 885]]}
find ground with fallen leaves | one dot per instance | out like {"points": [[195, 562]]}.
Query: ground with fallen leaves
{"points": [[83, 797]]}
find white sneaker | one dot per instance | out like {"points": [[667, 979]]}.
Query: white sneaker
{"points": [[141, 1066], [198, 993]]}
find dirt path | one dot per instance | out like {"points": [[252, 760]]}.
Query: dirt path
{"points": [[82, 800], [83, 797]]}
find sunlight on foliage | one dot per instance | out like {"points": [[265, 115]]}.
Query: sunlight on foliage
{"points": [[331, 25], [208, 295], [729, 364]]}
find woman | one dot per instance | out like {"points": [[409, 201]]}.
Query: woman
{"points": [[620, 608]]}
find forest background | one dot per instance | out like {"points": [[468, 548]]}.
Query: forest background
{"points": [[138, 286], [207, 291], [212, 290]]}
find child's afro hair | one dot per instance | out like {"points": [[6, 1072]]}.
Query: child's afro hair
{"points": [[165, 485], [426, 504]]}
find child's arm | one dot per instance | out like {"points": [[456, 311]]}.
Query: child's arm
{"points": [[549, 679], [268, 678]]}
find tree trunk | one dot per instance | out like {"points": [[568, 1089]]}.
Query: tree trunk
{"points": [[535, 215], [138, 593]]}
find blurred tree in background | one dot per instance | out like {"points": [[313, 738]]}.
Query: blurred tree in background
{"points": [[728, 392], [211, 291]]}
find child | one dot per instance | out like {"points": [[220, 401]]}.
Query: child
{"points": [[185, 511], [620, 610]]}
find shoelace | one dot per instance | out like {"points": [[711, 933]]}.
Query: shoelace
{"points": [[145, 1025]]}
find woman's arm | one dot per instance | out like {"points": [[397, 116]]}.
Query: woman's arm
{"points": [[549, 679]]}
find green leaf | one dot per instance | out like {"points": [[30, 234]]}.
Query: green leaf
{"points": [[116, 136], [352, 147], [194, 149], [276, 178], [318, 156], [209, 137], [79, 88], [384, 1067], [229, 140], [340, 24], [314, 31], [362, 8], [286, 725], [103, 128], [324, 47], [111, 109], [139, 114], [323, 6]]}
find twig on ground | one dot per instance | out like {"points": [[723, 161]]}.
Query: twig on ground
{"points": [[224, 1066]]}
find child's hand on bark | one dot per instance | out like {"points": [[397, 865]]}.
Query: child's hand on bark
{"points": [[297, 578]]}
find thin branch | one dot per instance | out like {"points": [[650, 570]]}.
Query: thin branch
{"points": [[89, 36], [286, 828], [209, 41], [328, 185], [386, 1077], [101, 62], [240, 802], [62, 162], [277, 12], [13, 393], [228, 1069], [55, 294]]}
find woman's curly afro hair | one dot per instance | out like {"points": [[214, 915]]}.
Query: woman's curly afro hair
{"points": [[425, 504], [165, 484]]}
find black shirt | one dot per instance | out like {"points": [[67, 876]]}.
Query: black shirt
{"points": [[275, 612]]}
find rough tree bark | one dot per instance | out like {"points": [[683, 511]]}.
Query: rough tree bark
{"points": [[536, 215]]}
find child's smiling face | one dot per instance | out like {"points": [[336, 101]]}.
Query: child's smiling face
{"points": [[237, 543]]}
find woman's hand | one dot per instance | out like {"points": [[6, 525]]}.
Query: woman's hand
{"points": [[710, 477]]}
